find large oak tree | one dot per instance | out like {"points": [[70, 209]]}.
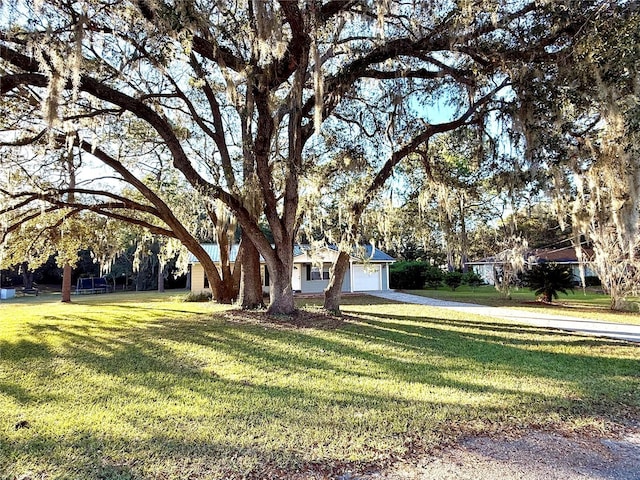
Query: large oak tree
{"points": [[238, 97]]}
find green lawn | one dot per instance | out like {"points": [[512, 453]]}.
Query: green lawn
{"points": [[587, 304], [126, 386]]}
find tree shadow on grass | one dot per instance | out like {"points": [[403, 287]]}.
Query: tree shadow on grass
{"points": [[505, 348], [514, 346], [151, 309], [325, 390], [162, 456]]}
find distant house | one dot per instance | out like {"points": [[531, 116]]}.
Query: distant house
{"points": [[487, 267], [368, 269]]}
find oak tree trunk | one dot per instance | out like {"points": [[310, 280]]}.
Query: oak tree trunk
{"points": [[160, 278], [225, 293], [280, 297], [66, 283], [67, 270], [333, 292], [280, 289], [27, 276], [222, 291], [250, 294], [464, 240]]}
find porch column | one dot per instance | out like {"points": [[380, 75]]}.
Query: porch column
{"points": [[388, 265], [350, 275]]}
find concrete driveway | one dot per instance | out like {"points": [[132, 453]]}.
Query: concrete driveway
{"points": [[584, 326]]}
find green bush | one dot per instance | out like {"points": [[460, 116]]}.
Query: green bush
{"points": [[453, 279], [592, 281], [433, 277], [472, 279], [197, 297], [407, 275], [414, 275]]}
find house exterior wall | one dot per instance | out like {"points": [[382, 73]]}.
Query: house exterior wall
{"points": [[197, 279], [485, 272], [575, 270], [301, 278], [318, 286]]}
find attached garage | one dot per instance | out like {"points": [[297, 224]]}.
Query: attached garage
{"points": [[366, 277]]}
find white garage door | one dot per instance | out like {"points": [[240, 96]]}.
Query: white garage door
{"points": [[366, 278]]}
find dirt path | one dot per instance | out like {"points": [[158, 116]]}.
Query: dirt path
{"points": [[535, 456]]}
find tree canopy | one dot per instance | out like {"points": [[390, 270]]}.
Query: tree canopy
{"points": [[245, 101]]}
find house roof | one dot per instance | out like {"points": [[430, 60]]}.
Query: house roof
{"points": [[375, 254], [560, 255], [213, 250], [371, 253], [556, 255]]}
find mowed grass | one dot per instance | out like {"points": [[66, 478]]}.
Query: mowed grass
{"points": [[127, 386], [589, 304]]}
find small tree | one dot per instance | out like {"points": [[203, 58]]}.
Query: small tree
{"points": [[547, 279], [472, 279], [433, 277], [453, 279], [408, 275]]}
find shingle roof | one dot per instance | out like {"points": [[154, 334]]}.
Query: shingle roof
{"points": [[558, 255], [561, 255], [374, 254], [370, 253]]}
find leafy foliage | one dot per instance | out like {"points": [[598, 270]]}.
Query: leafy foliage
{"points": [[453, 279], [584, 127], [472, 279], [433, 277], [414, 275], [407, 275], [255, 105], [549, 279], [592, 281]]}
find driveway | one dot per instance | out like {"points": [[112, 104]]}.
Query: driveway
{"points": [[584, 326]]}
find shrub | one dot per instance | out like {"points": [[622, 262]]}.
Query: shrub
{"points": [[433, 277], [453, 279], [592, 281], [407, 275], [197, 297], [414, 275], [547, 279], [472, 279]]}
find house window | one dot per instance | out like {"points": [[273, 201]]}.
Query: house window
{"points": [[314, 273], [206, 281]]}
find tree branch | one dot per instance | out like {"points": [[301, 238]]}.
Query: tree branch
{"points": [[385, 172]]}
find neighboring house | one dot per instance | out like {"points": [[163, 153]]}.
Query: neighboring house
{"points": [[368, 269], [487, 267]]}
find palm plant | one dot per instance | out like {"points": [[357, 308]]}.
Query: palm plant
{"points": [[548, 279]]}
